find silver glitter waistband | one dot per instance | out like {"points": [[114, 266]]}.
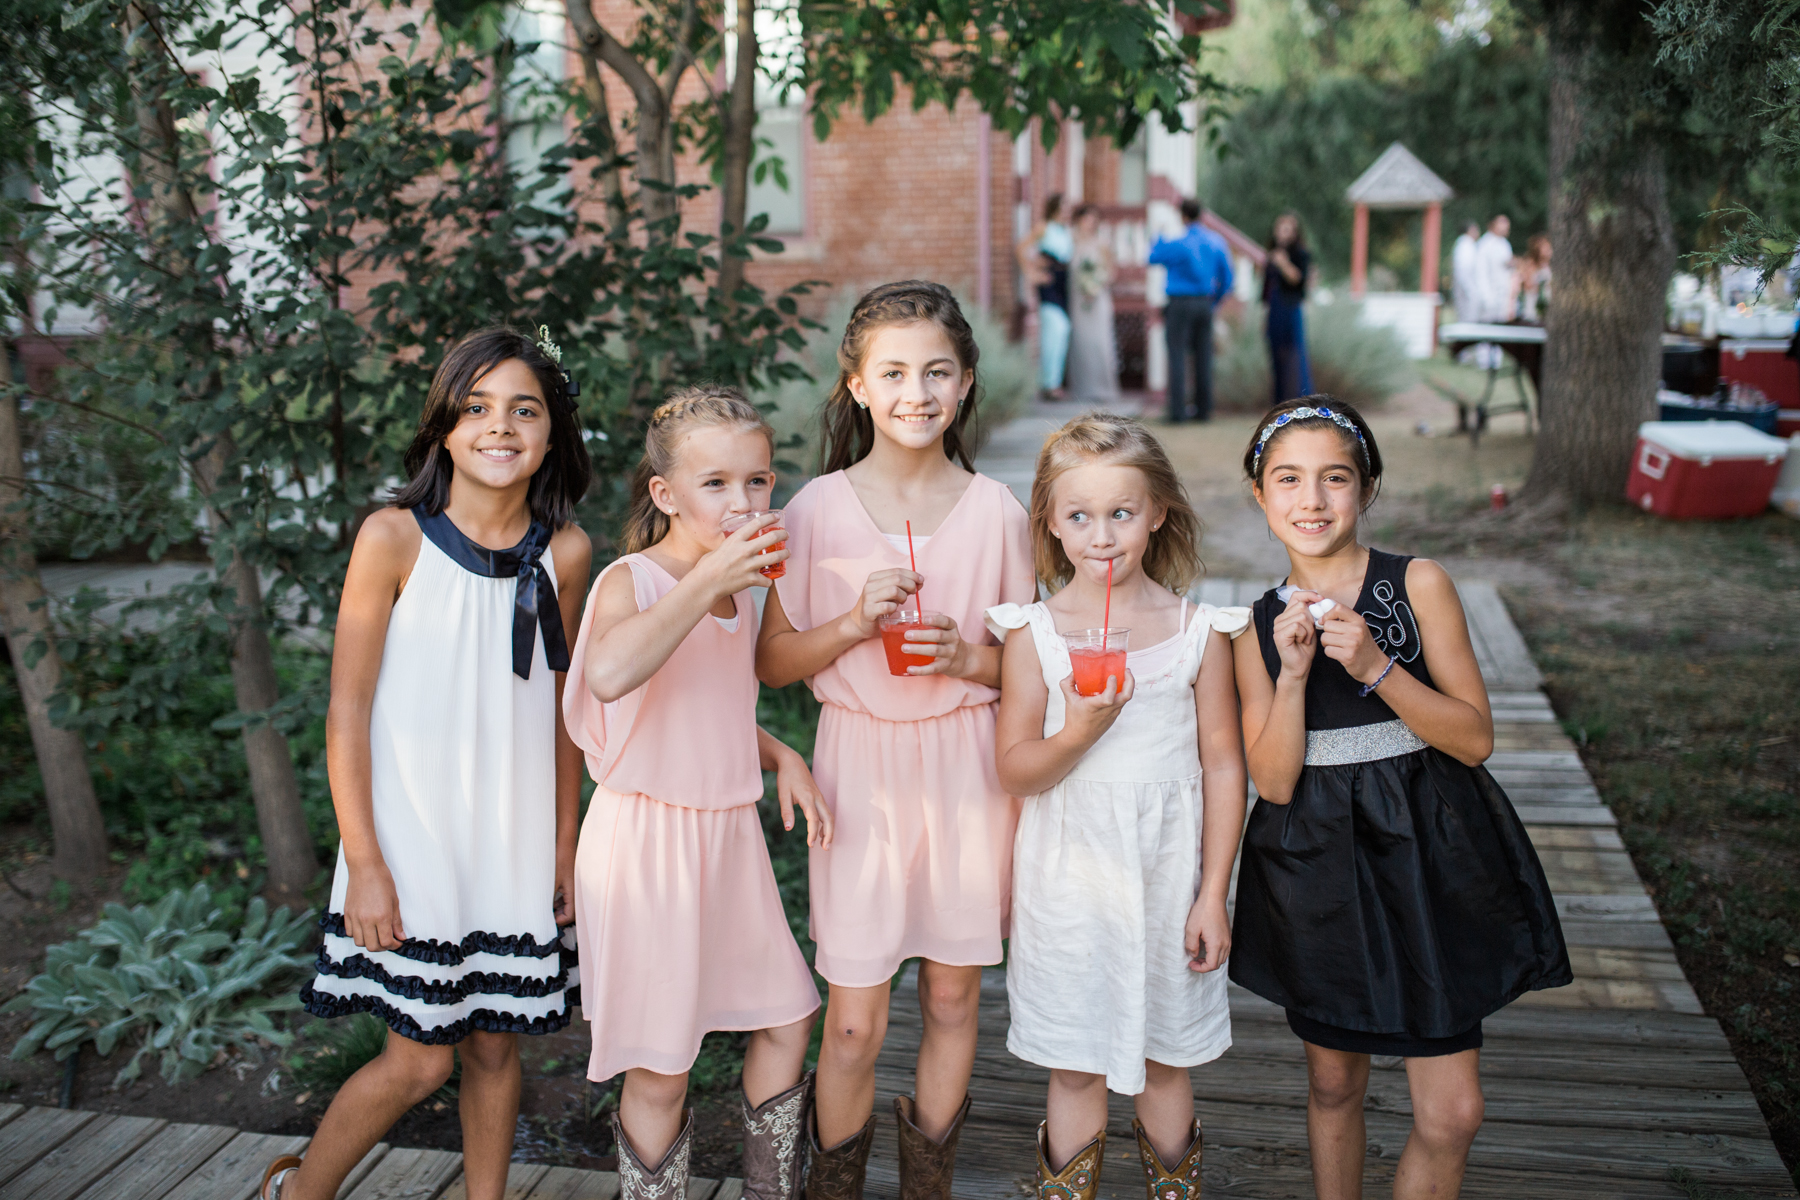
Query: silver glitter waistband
{"points": [[1364, 743]]}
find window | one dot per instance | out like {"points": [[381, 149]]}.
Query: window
{"points": [[1133, 170], [533, 123]]}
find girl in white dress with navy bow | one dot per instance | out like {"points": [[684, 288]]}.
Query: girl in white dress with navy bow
{"points": [[456, 788], [1134, 799]]}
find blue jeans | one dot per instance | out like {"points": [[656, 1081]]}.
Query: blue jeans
{"points": [[1053, 345]]}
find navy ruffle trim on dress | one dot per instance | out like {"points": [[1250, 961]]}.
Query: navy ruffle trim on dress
{"points": [[480, 983], [485, 1019], [451, 954]]}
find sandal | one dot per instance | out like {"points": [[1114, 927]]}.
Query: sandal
{"points": [[276, 1175]]}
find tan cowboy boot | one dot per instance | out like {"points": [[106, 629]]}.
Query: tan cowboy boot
{"points": [[1179, 1182], [837, 1173], [669, 1179], [1080, 1177], [926, 1166], [774, 1142]]}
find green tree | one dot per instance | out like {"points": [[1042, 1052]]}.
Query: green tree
{"points": [[219, 259], [1741, 61]]}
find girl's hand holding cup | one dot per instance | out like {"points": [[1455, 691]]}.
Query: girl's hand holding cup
{"points": [[943, 641], [1087, 717], [884, 592], [740, 560]]}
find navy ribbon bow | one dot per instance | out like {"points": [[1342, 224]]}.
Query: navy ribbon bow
{"points": [[534, 603]]}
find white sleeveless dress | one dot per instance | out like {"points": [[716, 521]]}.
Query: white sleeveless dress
{"points": [[463, 758], [1106, 865]]}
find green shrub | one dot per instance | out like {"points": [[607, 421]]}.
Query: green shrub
{"points": [[340, 1048], [175, 976], [1008, 378], [1359, 364]]}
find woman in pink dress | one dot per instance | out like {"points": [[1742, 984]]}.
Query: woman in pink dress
{"points": [[680, 926], [921, 862]]}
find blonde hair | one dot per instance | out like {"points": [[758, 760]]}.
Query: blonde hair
{"points": [[685, 410], [1173, 556]]}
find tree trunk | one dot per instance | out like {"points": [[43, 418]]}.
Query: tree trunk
{"points": [[280, 818], [655, 133], [273, 785], [1615, 249], [77, 831], [739, 148]]}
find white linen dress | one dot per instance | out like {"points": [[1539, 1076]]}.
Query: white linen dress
{"points": [[1106, 866]]}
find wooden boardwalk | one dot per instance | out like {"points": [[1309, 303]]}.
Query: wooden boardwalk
{"points": [[68, 1154], [1597, 1090]]}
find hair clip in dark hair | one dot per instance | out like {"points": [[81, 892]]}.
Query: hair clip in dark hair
{"points": [[553, 352]]}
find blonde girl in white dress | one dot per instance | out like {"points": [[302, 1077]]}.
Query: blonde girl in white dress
{"points": [[1134, 801], [455, 786]]}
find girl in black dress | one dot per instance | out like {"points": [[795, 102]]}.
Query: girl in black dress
{"points": [[1388, 896]]}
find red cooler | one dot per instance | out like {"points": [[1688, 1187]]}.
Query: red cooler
{"points": [[1762, 363], [1692, 470]]}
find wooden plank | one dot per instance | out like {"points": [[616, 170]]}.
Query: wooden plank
{"points": [[1552, 777], [520, 1179], [67, 1170], [730, 1189], [1625, 906], [233, 1172], [1566, 760], [1487, 613], [1583, 794], [1575, 839], [566, 1183], [702, 1189], [34, 1134], [176, 1152], [9, 1111], [407, 1174], [1634, 935], [1589, 815]]}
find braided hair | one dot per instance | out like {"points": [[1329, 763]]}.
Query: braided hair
{"points": [[685, 410], [849, 431]]}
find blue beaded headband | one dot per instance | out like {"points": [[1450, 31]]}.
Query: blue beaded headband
{"points": [[1300, 414]]}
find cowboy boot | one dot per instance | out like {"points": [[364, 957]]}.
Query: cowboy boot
{"points": [[773, 1143], [669, 1179], [1080, 1177], [1179, 1182], [926, 1166], [837, 1173]]}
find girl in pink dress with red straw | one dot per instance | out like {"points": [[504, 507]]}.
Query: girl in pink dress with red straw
{"points": [[921, 862], [680, 925]]}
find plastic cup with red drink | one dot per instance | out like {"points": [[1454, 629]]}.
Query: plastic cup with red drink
{"points": [[1097, 654], [737, 521], [894, 628]]}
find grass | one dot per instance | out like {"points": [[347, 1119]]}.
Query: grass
{"points": [[1672, 656]]}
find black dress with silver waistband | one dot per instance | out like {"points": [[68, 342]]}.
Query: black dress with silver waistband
{"points": [[1395, 901]]}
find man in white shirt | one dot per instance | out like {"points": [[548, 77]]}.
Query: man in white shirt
{"points": [[1493, 286], [1464, 271]]}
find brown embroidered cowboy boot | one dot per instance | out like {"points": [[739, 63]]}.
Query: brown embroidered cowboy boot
{"points": [[1179, 1182], [774, 1141], [837, 1173], [926, 1166], [1080, 1177], [668, 1180]]}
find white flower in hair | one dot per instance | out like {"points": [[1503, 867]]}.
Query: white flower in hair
{"points": [[551, 350]]}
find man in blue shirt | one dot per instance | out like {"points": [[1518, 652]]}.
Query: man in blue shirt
{"points": [[1199, 276]]}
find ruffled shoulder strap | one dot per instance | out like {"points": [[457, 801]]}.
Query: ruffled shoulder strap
{"points": [[1004, 617], [1230, 621]]}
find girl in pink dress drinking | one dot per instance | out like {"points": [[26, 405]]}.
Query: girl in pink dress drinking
{"points": [[921, 862], [680, 925]]}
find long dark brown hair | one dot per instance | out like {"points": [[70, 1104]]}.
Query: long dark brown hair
{"points": [[849, 430], [685, 410], [560, 480]]}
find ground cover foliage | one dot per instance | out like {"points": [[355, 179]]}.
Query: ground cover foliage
{"points": [[1670, 654]]}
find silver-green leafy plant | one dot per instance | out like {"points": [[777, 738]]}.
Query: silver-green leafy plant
{"points": [[178, 978]]}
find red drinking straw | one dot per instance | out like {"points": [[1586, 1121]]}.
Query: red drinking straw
{"points": [[1106, 621], [918, 596]]}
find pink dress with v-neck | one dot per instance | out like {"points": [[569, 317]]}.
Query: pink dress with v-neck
{"points": [[679, 921], [920, 864]]}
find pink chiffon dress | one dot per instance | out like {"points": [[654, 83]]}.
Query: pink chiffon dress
{"points": [[921, 859], [678, 921]]}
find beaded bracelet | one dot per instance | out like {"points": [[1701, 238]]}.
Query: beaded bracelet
{"points": [[1369, 687]]}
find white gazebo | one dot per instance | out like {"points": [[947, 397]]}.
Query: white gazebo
{"points": [[1399, 180]]}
